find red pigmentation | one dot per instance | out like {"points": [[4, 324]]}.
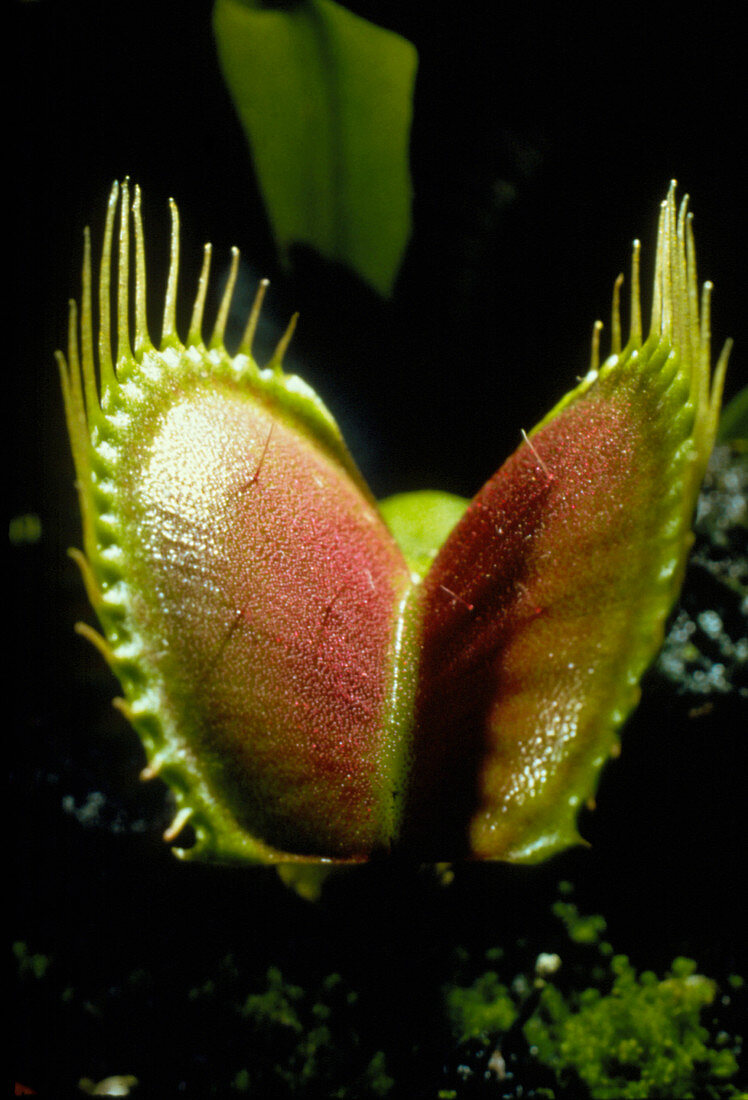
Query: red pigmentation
{"points": [[556, 563], [272, 583]]}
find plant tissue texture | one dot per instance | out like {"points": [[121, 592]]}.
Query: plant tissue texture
{"points": [[319, 679]]}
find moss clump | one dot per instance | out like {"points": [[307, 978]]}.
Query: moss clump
{"points": [[29, 965], [571, 1021], [643, 1038], [581, 929], [482, 1009], [626, 1035], [314, 1045]]}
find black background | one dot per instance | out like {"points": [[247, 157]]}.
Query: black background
{"points": [[542, 144]]}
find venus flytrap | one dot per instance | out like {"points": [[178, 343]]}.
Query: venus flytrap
{"points": [[318, 679]]}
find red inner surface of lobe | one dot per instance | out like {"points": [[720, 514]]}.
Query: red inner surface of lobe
{"points": [[528, 607], [273, 584]]}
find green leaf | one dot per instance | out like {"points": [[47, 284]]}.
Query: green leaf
{"points": [[325, 99], [420, 523], [733, 424]]}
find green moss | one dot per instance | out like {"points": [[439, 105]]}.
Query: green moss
{"points": [[315, 1045], [562, 1023], [480, 1010], [625, 1035], [29, 965], [643, 1038], [580, 929]]}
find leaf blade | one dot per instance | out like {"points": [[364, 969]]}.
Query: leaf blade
{"points": [[325, 100], [548, 601]]}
